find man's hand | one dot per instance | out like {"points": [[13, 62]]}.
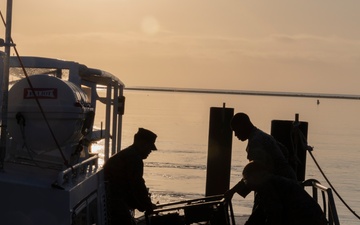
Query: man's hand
{"points": [[150, 210], [229, 195]]}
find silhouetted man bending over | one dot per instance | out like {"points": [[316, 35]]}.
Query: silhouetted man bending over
{"points": [[124, 177], [261, 147], [281, 201]]}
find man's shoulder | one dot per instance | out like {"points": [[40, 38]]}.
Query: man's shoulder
{"points": [[124, 152], [119, 155], [256, 133], [259, 136], [262, 137]]}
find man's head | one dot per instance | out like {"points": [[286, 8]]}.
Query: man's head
{"points": [[145, 141], [242, 126], [254, 174]]}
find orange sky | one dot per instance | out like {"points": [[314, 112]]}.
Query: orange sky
{"points": [[278, 45]]}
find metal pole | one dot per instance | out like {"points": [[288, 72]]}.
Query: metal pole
{"points": [[5, 84]]}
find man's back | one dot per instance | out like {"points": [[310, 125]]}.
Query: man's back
{"points": [[123, 167], [263, 147], [124, 174]]}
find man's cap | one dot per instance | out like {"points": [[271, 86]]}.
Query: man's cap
{"points": [[147, 135]]}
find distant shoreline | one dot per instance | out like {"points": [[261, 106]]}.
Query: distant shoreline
{"points": [[244, 92]]}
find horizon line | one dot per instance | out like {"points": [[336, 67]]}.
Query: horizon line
{"points": [[246, 92]]}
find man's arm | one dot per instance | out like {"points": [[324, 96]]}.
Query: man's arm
{"points": [[239, 188], [138, 187]]}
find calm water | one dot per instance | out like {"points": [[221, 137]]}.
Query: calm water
{"points": [[178, 170]]}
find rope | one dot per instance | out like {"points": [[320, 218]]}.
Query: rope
{"points": [[309, 149], [332, 187], [66, 163], [21, 122]]}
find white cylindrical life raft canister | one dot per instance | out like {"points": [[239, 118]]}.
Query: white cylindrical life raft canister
{"points": [[65, 107]]}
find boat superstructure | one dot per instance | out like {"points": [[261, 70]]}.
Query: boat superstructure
{"points": [[50, 171]]}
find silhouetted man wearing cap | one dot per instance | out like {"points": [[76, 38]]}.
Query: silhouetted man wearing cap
{"points": [[124, 176]]}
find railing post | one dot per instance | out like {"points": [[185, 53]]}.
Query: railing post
{"points": [[332, 208]]}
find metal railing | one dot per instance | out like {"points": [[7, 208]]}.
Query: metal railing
{"points": [[328, 203], [89, 165]]}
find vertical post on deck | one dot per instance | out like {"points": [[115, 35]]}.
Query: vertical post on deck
{"points": [[292, 134], [5, 84], [219, 151]]}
